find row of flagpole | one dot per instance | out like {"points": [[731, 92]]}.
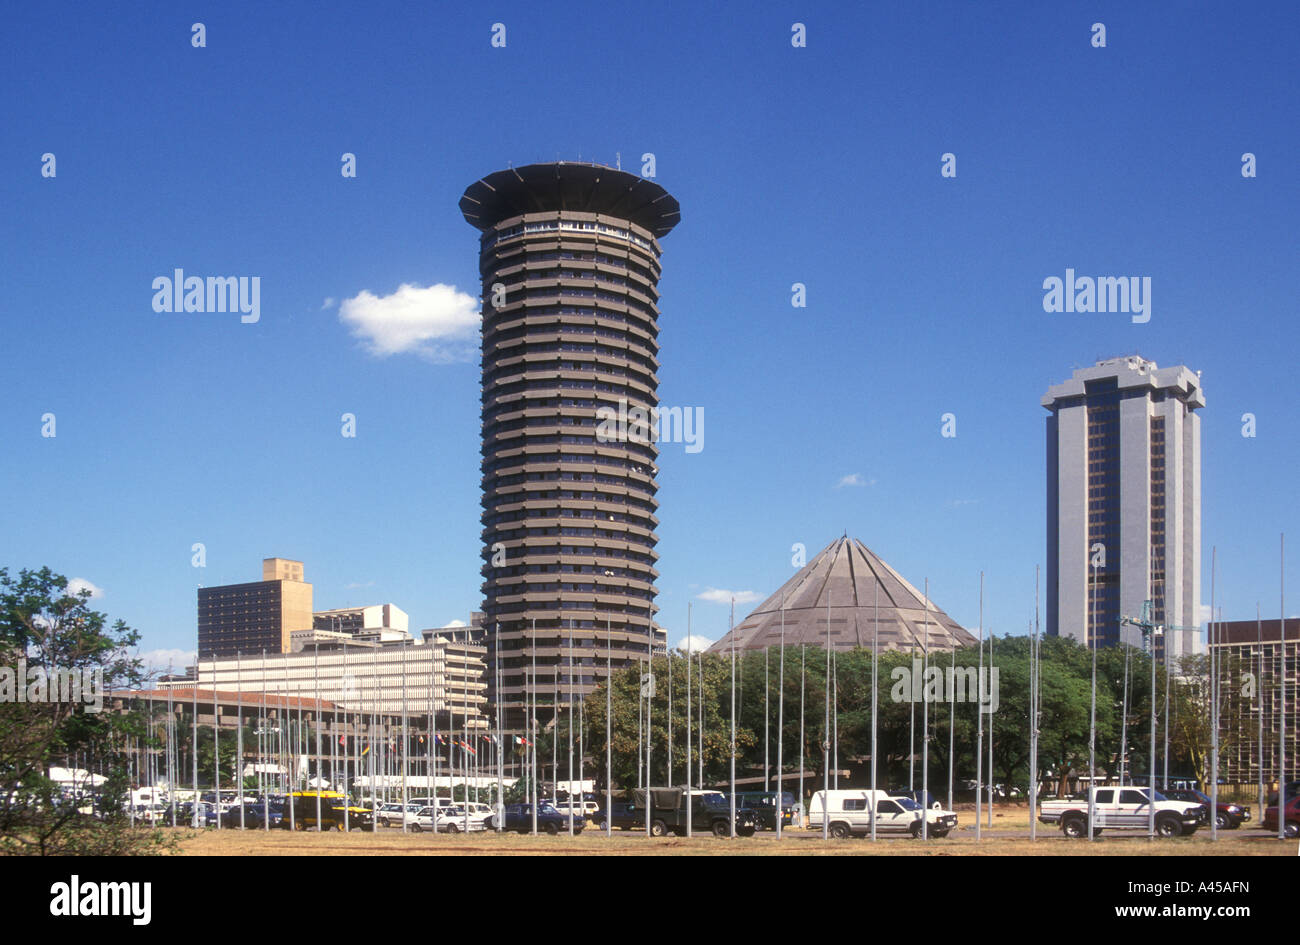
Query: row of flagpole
{"points": [[350, 768]]}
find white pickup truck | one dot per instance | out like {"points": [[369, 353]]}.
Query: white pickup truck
{"points": [[848, 813], [1121, 808]]}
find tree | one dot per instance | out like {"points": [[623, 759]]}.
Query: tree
{"points": [[52, 630]]}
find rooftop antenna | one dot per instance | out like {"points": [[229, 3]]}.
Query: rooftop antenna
{"points": [[618, 160]]}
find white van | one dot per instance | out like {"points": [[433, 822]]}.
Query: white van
{"points": [[848, 813]]}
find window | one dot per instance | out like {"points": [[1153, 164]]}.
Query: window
{"points": [[855, 803], [1105, 797], [888, 807]]}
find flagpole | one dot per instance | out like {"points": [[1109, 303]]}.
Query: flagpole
{"points": [[689, 805], [501, 745], [609, 727], [925, 724], [464, 688], [979, 718], [315, 672], [172, 761], [826, 731], [582, 781], [216, 747], [875, 675], [650, 663], [1259, 646], [239, 734], [803, 680], [1092, 714], [1033, 717], [570, 687], [195, 746], [1214, 683], [532, 721], [405, 740], [780, 728], [731, 632]]}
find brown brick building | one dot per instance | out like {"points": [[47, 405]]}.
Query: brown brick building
{"points": [[249, 618]]}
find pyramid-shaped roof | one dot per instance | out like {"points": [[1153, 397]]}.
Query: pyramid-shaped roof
{"points": [[847, 576]]}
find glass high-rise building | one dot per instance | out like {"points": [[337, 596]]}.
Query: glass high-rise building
{"points": [[1124, 502], [569, 258]]}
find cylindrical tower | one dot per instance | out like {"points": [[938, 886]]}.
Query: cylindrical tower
{"points": [[569, 257]]}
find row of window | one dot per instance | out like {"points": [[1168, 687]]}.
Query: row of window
{"points": [[492, 238], [547, 531]]}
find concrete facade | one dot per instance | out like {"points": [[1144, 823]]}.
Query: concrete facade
{"points": [[569, 259], [1124, 502], [445, 678]]}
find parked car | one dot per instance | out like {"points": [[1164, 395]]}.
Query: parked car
{"points": [[390, 815], [255, 816], [763, 804], [1230, 816], [623, 815], [709, 810], [519, 817], [848, 813], [459, 820], [1126, 808], [582, 810], [207, 814], [1292, 828], [336, 812]]}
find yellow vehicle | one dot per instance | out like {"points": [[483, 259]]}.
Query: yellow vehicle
{"points": [[334, 812]]}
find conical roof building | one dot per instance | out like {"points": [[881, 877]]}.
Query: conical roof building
{"points": [[845, 581]]}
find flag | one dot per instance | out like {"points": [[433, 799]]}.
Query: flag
{"points": [[364, 750], [341, 742]]}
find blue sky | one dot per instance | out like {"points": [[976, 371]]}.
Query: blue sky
{"points": [[817, 165]]}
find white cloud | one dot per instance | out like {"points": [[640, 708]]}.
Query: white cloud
{"points": [[77, 585], [854, 479], [1206, 615], [456, 623], [329, 302], [162, 661], [698, 644], [439, 323], [715, 595], [355, 585]]}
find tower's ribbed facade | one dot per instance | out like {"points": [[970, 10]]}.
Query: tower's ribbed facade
{"points": [[569, 257]]}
